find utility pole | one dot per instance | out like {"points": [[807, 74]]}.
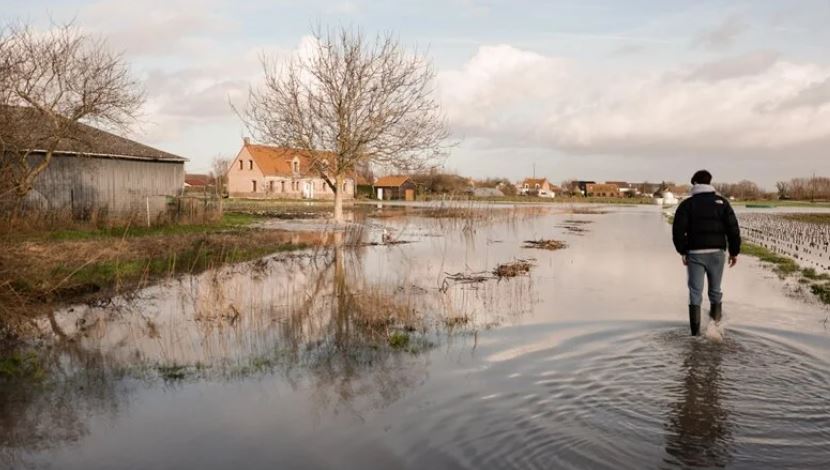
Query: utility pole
{"points": [[534, 170]]}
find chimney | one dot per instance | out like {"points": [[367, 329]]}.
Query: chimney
{"points": [[246, 140]]}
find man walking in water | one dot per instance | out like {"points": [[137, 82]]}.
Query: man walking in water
{"points": [[704, 227]]}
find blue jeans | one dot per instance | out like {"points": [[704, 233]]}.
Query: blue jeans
{"points": [[710, 266]]}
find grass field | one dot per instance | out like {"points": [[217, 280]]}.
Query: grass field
{"points": [[40, 269]]}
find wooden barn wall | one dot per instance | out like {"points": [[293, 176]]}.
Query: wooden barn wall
{"points": [[117, 186]]}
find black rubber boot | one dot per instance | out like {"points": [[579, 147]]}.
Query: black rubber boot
{"points": [[694, 319], [716, 312]]}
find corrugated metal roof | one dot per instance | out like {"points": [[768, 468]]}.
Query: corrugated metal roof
{"points": [[26, 129]]}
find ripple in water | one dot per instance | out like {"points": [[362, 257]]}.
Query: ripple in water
{"points": [[629, 399]]}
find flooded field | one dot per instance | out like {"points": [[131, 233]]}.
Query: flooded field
{"points": [[419, 342], [807, 242]]}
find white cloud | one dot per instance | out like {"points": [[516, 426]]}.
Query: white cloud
{"points": [[738, 107], [723, 35], [159, 27]]}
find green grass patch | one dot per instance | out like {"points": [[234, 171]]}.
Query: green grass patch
{"points": [[811, 274], [398, 340], [821, 219], [202, 256], [229, 220], [21, 366], [782, 265], [780, 203], [172, 373], [822, 291]]}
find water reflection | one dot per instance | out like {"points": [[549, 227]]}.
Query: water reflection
{"points": [[39, 414], [353, 338], [699, 431], [592, 369]]}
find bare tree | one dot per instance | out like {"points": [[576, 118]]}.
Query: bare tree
{"points": [[219, 173], [49, 82], [351, 102]]}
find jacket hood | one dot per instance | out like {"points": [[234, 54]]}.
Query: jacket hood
{"points": [[702, 188]]}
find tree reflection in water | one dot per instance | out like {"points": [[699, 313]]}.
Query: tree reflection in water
{"points": [[40, 414], [318, 321], [699, 432]]}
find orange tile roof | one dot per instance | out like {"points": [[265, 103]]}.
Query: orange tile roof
{"points": [[391, 181], [276, 161], [534, 181], [197, 180]]}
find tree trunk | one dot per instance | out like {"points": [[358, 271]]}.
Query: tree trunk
{"points": [[338, 198]]}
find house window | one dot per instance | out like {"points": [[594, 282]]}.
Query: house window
{"points": [[250, 164], [282, 186], [296, 166], [270, 186], [240, 165], [253, 185]]}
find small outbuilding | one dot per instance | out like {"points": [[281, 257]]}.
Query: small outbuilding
{"points": [[399, 187]]}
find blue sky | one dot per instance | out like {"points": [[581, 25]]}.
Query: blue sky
{"points": [[637, 90]]}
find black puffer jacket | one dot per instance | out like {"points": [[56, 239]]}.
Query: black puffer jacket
{"points": [[706, 221]]}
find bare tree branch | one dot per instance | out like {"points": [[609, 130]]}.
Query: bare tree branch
{"points": [[49, 82]]}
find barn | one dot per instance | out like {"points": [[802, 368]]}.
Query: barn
{"points": [[96, 173]]}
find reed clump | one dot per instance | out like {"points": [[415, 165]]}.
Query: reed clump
{"points": [[512, 269], [542, 244]]}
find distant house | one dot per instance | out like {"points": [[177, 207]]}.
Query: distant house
{"points": [[398, 187], [583, 186], [646, 189], [536, 187], [94, 173], [264, 171], [602, 190], [195, 182], [626, 188]]}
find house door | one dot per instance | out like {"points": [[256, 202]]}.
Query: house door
{"points": [[308, 192], [409, 194], [380, 194]]}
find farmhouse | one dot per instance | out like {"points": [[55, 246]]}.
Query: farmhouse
{"points": [[93, 172], [536, 187], [265, 171], [395, 187]]}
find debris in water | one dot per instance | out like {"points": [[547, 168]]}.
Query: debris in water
{"points": [[545, 244], [513, 269], [469, 278]]}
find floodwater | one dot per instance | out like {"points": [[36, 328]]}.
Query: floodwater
{"points": [[585, 363]]}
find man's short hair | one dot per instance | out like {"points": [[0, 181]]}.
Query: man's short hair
{"points": [[702, 177]]}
